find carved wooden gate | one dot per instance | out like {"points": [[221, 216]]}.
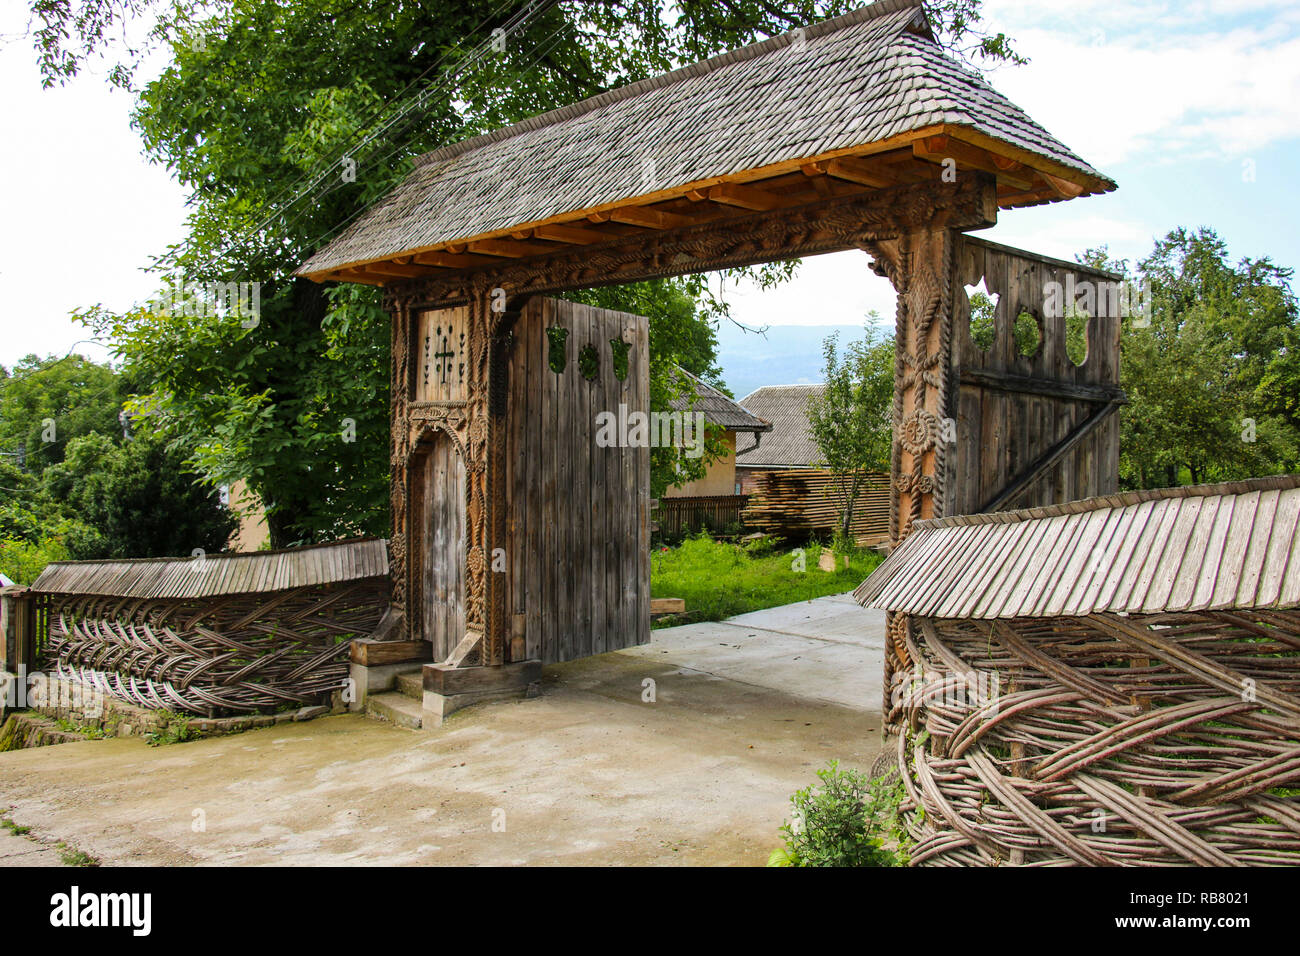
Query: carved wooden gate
{"points": [[578, 520]]}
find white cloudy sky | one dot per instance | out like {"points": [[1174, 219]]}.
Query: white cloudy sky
{"points": [[1169, 98]]}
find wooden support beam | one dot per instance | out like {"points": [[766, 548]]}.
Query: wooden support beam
{"points": [[1049, 458], [643, 216], [1035, 386], [1017, 197], [508, 248], [816, 173], [353, 275], [574, 235], [447, 260], [746, 197], [937, 149], [1064, 189], [394, 269], [859, 171]]}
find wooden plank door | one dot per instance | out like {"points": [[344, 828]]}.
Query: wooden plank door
{"points": [[579, 558], [443, 525]]}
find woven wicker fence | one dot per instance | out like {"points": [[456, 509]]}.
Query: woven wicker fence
{"points": [[241, 653], [1100, 740]]}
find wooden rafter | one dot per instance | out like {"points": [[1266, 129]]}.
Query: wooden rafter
{"points": [[938, 149]]}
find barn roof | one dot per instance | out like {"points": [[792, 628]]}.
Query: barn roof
{"points": [[1205, 547], [790, 444], [257, 572], [858, 85], [718, 409]]}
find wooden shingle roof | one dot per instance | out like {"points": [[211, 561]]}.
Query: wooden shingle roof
{"points": [[1206, 547], [253, 573], [873, 77]]}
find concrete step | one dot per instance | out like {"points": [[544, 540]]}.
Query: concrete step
{"points": [[412, 685], [396, 709]]}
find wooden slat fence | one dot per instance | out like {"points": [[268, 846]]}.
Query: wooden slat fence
{"points": [[714, 513]]}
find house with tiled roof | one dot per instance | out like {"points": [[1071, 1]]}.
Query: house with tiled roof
{"points": [[789, 443]]}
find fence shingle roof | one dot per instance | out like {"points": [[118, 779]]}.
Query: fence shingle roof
{"points": [[1208, 547]]}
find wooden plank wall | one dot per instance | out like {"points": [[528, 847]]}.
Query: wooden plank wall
{"points": [[1010, 408], [579, 559]]}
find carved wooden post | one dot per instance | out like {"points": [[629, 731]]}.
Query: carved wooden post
{"points": [[919, 263], [398, 463]]}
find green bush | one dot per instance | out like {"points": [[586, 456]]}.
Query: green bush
{"points": [[846, 820]]}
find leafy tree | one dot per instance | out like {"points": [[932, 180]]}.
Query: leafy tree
{"points": [[1211, 374], [47, 402], [89, 492], [851, 420], [133, 499]]}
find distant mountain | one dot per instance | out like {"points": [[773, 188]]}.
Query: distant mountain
{"points": [[783, 355]]}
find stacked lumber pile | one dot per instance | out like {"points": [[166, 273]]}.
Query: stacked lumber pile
{"points": [[801, 503]]}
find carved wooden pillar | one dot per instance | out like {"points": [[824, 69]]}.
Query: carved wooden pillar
{"points": [[398, 456], [920, 264]]}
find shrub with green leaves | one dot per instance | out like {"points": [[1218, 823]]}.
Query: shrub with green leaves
{"points": [[845, 820]]}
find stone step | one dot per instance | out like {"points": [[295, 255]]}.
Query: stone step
{"points": [[412, 685], [397, 709]]}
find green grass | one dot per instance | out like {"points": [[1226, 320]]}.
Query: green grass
{"points": [[71, 856], [719, 579]]}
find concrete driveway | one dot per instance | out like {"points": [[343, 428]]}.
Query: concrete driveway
{"points": [[683, 751]]}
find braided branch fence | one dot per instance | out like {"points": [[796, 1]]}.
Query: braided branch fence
{"points": [[215, 655], [1162, 739]]}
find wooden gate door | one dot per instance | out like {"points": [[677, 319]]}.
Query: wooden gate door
{"points": [[442, 523], [579, 528]]}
